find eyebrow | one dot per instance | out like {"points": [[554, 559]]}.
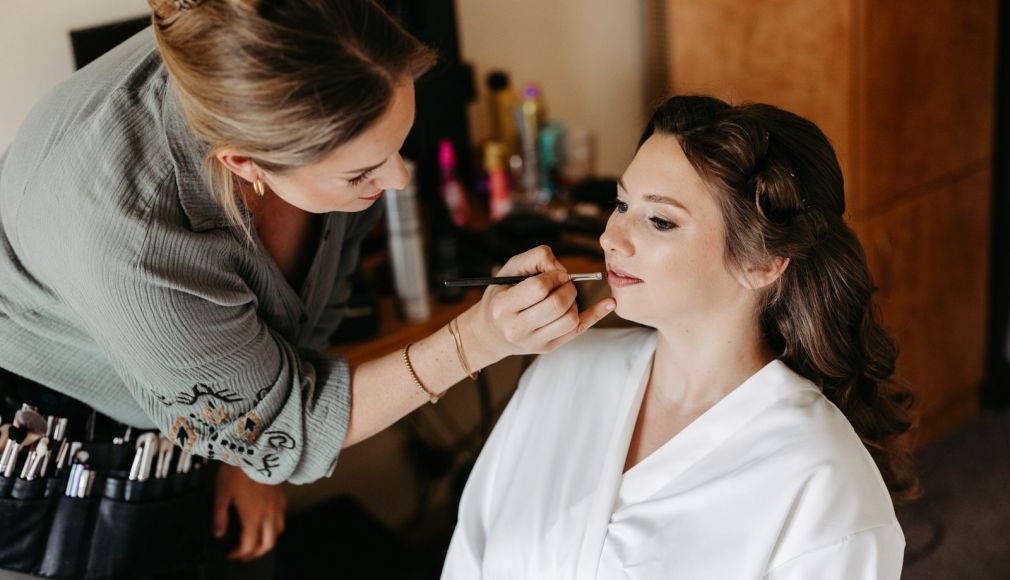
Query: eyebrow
{"points": [[656, 198], [364, 170]]}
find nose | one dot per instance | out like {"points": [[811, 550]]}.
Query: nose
{"points": [[614, 239], [394, 174]]}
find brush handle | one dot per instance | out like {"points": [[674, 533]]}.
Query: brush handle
{"points": [[487, 281], [515, 279]]}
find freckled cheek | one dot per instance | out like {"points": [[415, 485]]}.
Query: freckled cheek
{"points": [[679, 275]]}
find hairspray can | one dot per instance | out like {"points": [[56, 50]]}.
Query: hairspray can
{"points": [[406, 248], [502, 100], [530, 116]]}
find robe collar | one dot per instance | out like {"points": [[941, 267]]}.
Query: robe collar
{"points": [[705, 434]]}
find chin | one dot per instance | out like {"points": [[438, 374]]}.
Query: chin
{"points": [[362, 204], [349, 207]]}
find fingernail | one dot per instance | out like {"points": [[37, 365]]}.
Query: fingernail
{"points": [[610, 306]]}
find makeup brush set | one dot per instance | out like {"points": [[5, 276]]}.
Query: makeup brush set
{"points": [[35, 454], [92, 508]]}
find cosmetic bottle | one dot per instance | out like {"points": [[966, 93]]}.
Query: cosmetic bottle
{"points": [[502, 100], [499, 197], [529, 116], [551, 151], [577, 164], [406, 249], [452, 190]]}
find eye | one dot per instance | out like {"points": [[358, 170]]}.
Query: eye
{"points": [[359, 179], [661, 224], [620, 206]]}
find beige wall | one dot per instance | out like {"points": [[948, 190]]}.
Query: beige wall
{"points": [[588, 55], [35, 44]]}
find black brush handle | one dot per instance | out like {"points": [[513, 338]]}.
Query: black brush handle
{"points": [[487, 281]]}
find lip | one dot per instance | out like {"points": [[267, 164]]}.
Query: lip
{"points": [[374, 197], [619, 278]]}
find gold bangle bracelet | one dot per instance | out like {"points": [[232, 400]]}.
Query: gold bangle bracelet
{"points": [[459, 348], [432, 397]]}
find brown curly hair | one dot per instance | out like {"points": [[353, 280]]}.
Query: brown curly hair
{"points": [[781, 192]]}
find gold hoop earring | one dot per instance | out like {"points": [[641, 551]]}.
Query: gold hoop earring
{"points": [[258, 187]]}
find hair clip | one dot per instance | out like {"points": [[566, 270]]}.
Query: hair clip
{"points": [[182, 5]]}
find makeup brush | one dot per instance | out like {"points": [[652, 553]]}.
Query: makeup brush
{"points": [[31, 420], [517, 279], [17, 437]]}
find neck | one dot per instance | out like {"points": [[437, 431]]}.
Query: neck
{"points": [[698, 363]]}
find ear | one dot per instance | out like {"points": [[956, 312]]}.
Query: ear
{"points": [[239, 164], [757, 277]]}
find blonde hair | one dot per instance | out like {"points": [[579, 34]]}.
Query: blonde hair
{"points": [[283, 81]]}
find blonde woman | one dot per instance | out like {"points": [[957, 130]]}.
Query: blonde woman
{"points": [[178, 222]]}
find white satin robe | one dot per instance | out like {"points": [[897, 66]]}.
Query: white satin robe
{"points": [[771, 483]]}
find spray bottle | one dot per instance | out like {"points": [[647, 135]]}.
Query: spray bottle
{"points": [[452, 190]]}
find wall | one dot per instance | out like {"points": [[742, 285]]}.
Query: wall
{"points": [[587, 55], [35, 42]]}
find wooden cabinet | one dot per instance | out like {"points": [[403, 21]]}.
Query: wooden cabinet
{"points": [[925, 255], [905, 90], [925, 97]]}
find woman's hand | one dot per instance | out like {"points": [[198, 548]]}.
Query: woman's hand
{"points": [[534, 316], [260, 510]]}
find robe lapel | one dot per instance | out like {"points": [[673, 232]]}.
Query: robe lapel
{"points": [[774, 381], [602, 506]]}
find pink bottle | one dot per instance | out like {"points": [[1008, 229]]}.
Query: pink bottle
{"points": [[452, 190], [499, 196]]}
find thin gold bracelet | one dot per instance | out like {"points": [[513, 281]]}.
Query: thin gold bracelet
{"points": [[459, 348], [432, 397]]}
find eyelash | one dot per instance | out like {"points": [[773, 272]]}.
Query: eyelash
{"points": [[359, 179], [658, 223]]}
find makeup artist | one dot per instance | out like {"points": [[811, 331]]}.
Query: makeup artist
{"points": [[178, 222]]}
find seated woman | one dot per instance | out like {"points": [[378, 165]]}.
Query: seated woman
{"points": [[750, 432]]}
